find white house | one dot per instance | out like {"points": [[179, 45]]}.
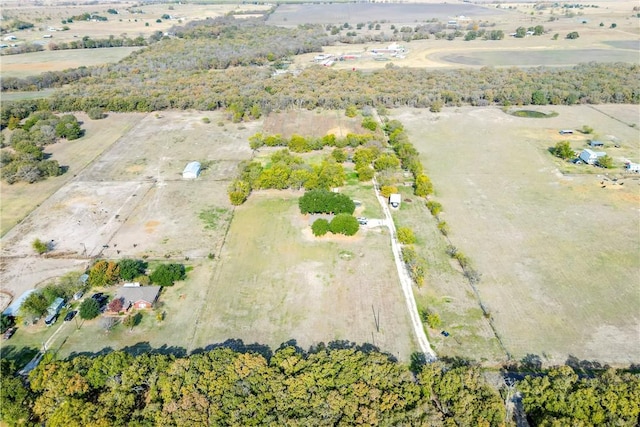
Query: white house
{"points": [[394, 200], [191, 171], [591, 157], [633, 167]]}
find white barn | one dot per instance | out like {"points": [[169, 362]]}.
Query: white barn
{"points": [[191, 171], [591, 157], [394, 200], [633, 167]]}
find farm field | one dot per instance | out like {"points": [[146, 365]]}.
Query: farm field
{"points": [[557, 252], [28, 64]]}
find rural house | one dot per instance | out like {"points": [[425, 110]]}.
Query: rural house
{"points": [[394, 200], [191, 171], [139, 297], [596, 143], [591, 157]]}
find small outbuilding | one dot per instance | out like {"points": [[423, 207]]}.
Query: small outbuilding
{"points": [[633, 167], [591, 157], [596, 143], [191, 171], [394, 200]]}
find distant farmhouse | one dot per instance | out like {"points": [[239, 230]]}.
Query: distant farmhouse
{"points": [[591, 157], [191, 171]]}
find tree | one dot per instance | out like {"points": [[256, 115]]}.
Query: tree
{"points": [[5, 323], [521, 32], [320, 227], [344, 223], [406, 236], [103, 273], [387, 190], [605, 161], [573, 35], [539, 97], [16, 400], [423, 186], [339, 155], [39, 246], [132, 320], [238, 192], [116, 305], [538, 30], [131, 268], [167, 274], [95, 113], [68, 127], [386, 161], [89, 309], [563, 150], [34, 305]]}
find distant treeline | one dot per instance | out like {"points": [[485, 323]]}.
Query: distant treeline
{"points": [[222, 62]]}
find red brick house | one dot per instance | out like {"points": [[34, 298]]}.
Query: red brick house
{"points": [[138, 297]]}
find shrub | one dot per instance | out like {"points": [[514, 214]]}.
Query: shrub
{"points": [[434, 207], [344, 224], [95, 113], [586, 129], [370, 123], [167, 274], [406, 236], [351, 111], [320, 227], [339, 155], [423, 186], [39, 246], [605, 162], [443, 227], [433, 320], [387, 190]]}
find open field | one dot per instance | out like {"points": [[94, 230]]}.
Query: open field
{"points": [[557, 252], [28, 64], [287, 285], [19, 199]]}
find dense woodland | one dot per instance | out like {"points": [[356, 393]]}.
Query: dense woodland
{"points": [[217, 63], [335, 385]]}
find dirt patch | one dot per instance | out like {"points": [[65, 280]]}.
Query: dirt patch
{"points": [[315, 123]]}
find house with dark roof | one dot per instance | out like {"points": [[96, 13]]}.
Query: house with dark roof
{"points": [[139, 297]]}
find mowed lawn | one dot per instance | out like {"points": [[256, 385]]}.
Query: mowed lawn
{"points": [[276, 282], [558, 253]]}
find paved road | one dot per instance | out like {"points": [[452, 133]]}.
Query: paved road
{"points": [[405, 281]]}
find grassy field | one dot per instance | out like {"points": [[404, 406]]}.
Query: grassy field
{"points": [[28, 64], [276, 282], [557, 252]]}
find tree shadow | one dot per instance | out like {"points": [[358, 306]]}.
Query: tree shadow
{"points": [[531, 362], [584, 367], [239, 346], [19, 355]]}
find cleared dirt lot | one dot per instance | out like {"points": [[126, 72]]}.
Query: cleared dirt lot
{"points": [[132, 200], [557, 253]]}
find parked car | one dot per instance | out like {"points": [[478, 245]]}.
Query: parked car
{"points": [[77, 295], [51, 319], [101, 298], [362, 220], [8, 333], [70, 315]]}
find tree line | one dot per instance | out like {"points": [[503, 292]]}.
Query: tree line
{"points": [[26, 160], [338, 384]]}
